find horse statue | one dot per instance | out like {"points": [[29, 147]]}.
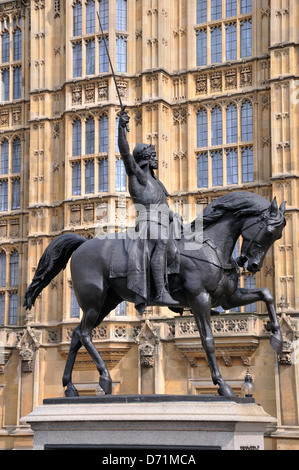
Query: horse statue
{"points": [[207, 277]]}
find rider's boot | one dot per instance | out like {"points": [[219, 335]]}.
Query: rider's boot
{"points": [[158, 269]]}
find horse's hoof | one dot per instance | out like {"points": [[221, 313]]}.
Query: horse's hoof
{"points": [[226, 391], [276, 343], [106, 385], [71, 391]]}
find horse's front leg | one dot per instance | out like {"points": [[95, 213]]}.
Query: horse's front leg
{"points": [[201, 309], [248, 296]]}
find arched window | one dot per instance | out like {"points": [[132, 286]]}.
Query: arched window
{"points": [[216, 9], [202, 170], [17, 83], [216, 44], [216, 126], [232, 167], [246, 38], [231, 41], [201, 11], [89, 177], [121, 310], [13, 308], [16, 156], [76, 179], [246, 6], [4, 157], [120, 176], [201, 44], [77, 19], [121, 54], [103, 134], [2, 269], [121, 15], [231, 8], [77, 135], [246, 121], [90, 16], [249, 283], [231, 124], [90, 57], [5, 47], [2, 308], [15, 194], [75, 309], [77, 59], [247, 165], [4, 195], [89, 136], [103, 175], [217, 169], [17, 44], [13, 268], [5, 85], [202, 128], [104, 14], [104, 61]]}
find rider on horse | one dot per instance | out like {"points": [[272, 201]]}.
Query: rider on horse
{"points": [[150, 199]]}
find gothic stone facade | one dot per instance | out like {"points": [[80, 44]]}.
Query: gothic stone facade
{"points": [[214, 85]]}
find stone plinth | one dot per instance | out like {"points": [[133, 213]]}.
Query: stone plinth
{"points": [[157, 421]]}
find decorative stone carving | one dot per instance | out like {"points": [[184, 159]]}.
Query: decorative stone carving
{"points": [[147, 339], [246, 77], [4, 118], [27, 345], [77, 95], [103, 90], [230, 79], [89, 90], [216, 81], [201, 84], [146, 351]]}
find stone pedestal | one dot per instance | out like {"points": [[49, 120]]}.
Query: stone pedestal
{"points": [[149, 422]]}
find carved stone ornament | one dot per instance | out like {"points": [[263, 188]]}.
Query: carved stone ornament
{"points": [[27, 345], [147, 339], [146, 351]]}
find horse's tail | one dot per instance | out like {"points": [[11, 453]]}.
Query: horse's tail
{"points": [[53, 260]]}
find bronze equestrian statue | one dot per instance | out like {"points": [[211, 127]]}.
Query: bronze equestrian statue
{"points": [[200, 279]]}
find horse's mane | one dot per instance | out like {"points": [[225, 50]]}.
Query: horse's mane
{"points": [[241, 203]]}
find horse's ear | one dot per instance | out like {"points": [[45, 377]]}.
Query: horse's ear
{"points": [[283, 207], [274, 208]]}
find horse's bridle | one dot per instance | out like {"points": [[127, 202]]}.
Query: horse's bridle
{"points": [[261, 221]]}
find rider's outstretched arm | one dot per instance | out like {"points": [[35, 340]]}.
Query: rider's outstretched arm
{"points": [[124, 149]]}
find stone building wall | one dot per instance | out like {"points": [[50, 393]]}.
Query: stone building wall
{"points": [[181, 70]]}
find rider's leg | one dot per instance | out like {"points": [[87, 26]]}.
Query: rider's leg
{"points": [[158, 268]]}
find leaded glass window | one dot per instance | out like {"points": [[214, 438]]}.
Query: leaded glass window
{"points": [[89, 136], [89, 177], [77, 134], [103, 175], [202, 170], [201, 47], [216, 44], [216, 126], [202, 128], [76, 179], [232, 167], [231, 124], [217, 169]]}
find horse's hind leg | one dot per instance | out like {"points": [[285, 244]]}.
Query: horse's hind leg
{"points": [[89, 322], [76, 344]]}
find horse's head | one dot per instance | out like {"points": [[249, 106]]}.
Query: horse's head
{"points": [[259, 233]]}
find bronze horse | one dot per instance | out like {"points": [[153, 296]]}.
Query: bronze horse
{"points": [[207, 278]]}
